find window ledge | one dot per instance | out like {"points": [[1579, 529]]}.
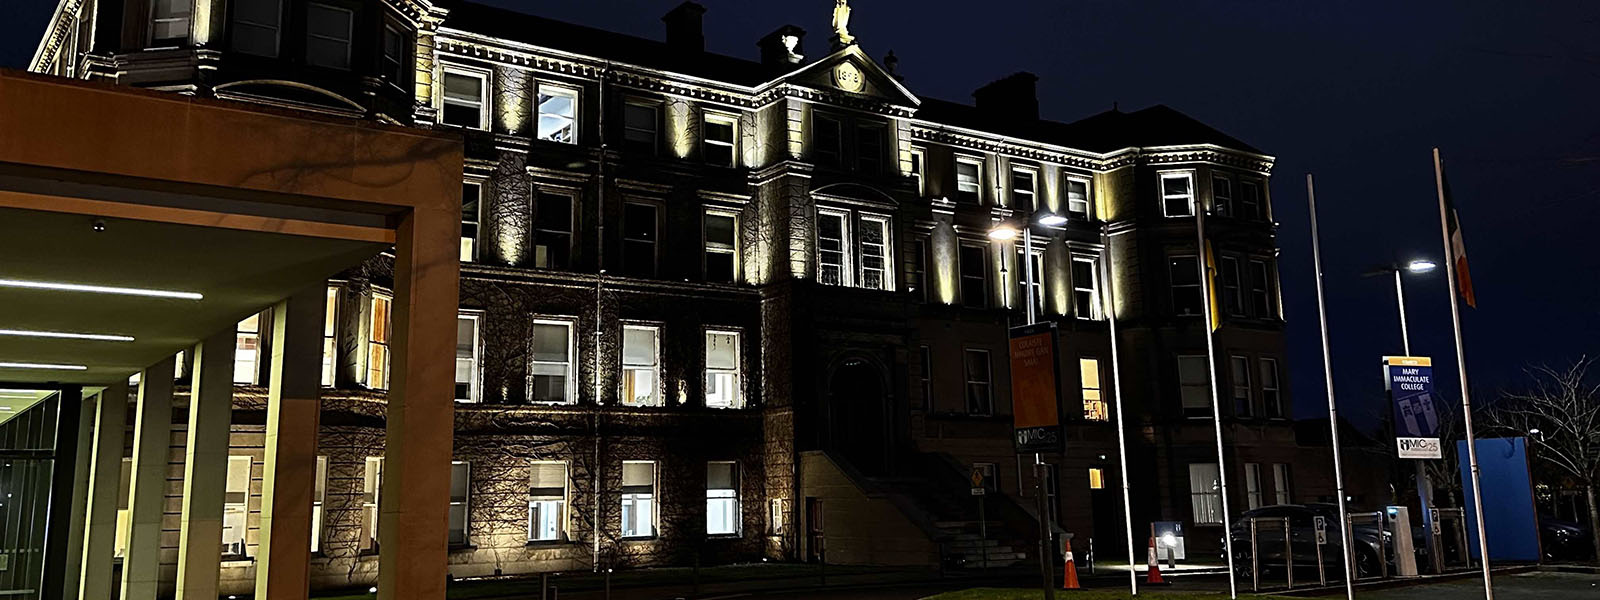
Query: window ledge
{"points": [[549, 543], [237, 561], [641, 538], [462, 547], [724, 536]]}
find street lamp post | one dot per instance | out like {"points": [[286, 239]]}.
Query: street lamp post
{"points": [[1005, 233], [1424, 483]]}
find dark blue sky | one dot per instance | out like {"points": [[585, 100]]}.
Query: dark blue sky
{"points": [[1355, 92]]}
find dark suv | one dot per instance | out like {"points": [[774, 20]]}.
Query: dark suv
{"points": [[1303, 539]]}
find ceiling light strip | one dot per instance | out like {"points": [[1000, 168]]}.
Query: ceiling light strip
{"points": [[99, 337], [22, 365], [99, 289]]}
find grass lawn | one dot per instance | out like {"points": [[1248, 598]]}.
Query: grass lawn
{"points": [[1034, 594]]}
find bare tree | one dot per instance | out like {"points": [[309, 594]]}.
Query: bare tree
{"points": [[1563, 406]]}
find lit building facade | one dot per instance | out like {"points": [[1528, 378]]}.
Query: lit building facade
{"points": [[742, 309]]}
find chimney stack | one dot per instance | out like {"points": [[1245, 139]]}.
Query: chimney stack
{"points": [[684, 31], [1014, 96], [783, 47]]}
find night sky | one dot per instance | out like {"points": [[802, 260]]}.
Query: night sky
{"points": [[1355, 92]]}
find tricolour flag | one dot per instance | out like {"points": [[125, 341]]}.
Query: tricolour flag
{"points": [[1458, 248]]}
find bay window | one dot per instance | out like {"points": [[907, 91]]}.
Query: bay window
{"points": [[641, 365], [723, 374], [551, 368], [328, 33], [638, 499]]}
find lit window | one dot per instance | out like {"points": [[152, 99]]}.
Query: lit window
{"points": [[827, 141], [969, 180], [722, 370], [236, 506], [1271, 399], [329, 332], [1036, 266], [169, 20], [550, 366], [1281, 484], [471, 204], [1260, 289], [1024, 188], [558, 114], [1086, 288], [1222, 195], [1250, 200], [463, 99], [1078, 197], [777, 516], [319, 497], [638, 499], [974, 276], [1239, 372], [1177, 195], [255, 26], [980, 396], [721, 139], [371, 484], [869, 149], [1185, 274], [328, 36], [641, 365], [639, 124], [1193, 386], [460, 492], [396, 43], [552, 231], [919, 162], [722, 498], [467, 328], [1252, 485], [247, 350], [833, 237], [1205, 495], [547, 501], [875, 274], [721, 246], [639, 236], [1094, 403], [379, 328], [1097, 478], [1232, 300]]}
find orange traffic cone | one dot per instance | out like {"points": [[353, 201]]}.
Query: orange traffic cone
{"points": [[1153, 574], [1069, 580]]}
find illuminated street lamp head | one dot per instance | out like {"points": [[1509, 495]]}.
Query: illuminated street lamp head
{"points": [[1420, 266], [1003, 233], [1050, 219]]}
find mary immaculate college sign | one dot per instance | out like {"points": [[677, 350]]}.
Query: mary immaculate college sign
{"points": [[1035, 395], [1409, 380]]}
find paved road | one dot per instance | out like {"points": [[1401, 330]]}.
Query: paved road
{"points": [[1526, 586]]}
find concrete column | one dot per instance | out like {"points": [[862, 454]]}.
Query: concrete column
{"points": [[72, 570], [283, 560], [152, 441], [205, 467], [415, 494], [104, 473]]}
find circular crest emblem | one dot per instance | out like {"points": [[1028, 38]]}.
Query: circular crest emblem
{"points": [[847, 77]]}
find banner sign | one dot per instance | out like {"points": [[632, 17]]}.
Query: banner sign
{"points": [[1035, 389], [1409, 381]]}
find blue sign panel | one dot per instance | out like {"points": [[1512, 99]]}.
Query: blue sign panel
{"points": [[1409, 380]]}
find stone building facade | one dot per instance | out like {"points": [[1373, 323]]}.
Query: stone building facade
{"points": [[728, 310]]}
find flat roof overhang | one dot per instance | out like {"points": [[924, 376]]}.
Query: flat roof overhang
{"points": [[117, 187]]}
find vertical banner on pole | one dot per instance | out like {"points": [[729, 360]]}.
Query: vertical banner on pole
{"points": [[1409, 381], [1035, 388]]}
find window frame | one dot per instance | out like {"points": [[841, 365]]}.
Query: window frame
{"points": [[561, 532], [1282, 483], [1161, 192], [240, 510], [739, 401], [1232, 291], [987, 408], [319, 501], [471, 246], [658, 394], [1201, 409], [871, 163], [475, 376], [658, 212], [1032, 174], [1095, 410], [1243, 406], [846, 243], [1253, 495], [708, 117], [962, 276], [1096, 310], [1261, 280], [976, 194], [1205, 506], [485, 79], [372, 345], [887, 274], [919, 169], [403, 64], [571, 196], [736, 511], [1273, 408], [570, 386], [1222, 203], [836, 154], [925, 360], [1035, 262], [1251, 204], [371, 477], [1088, 199], [155, 19], [652, 498], [235, 20], [654, 106], [463, 506], [330, 337], [349, 40], [1174, 287], [706, 248], [570, 91], [252, 376]]}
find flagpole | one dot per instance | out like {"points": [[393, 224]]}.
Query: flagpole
{"points": [[1461, 366], [1333, 407], [1116, 387], [1211, 378]]}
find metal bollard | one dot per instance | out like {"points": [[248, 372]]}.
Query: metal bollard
{"points": [[1255, 559], [1288, 551]]}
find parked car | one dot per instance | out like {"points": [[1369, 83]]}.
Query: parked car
{"points": [[1564, 540], [1366, 539]]}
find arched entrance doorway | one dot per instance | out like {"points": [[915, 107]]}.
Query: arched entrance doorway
{"points": [[858, 416]]}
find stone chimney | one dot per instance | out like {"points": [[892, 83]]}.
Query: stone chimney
{"points": [[783, 47], [684, 31], [1014, 97]]}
